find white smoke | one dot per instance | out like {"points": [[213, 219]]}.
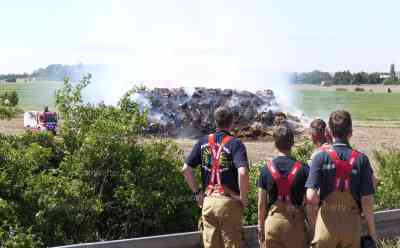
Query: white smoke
{"points": [[159, 48]]}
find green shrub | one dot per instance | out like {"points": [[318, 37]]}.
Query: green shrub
{"points": [[8, 105], [388, 193], [97, 180], [359, 89], [341, 89]]}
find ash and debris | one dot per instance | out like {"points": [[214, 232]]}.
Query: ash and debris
{"points": [[188, 113]]}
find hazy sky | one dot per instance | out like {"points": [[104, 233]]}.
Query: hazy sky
{"points": [[201, 39]]}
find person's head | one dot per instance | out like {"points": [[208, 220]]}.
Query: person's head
{"points": [[223, 118], [340, 125], [46, 109], [280, 118], [284, 138], [318, 131]]}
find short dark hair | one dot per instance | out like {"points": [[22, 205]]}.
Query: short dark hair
{"points": [[281, 114], [340, 124], [318, 127], [223, 117], [284, 138]]}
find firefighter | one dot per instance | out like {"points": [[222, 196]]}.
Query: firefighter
{"points": [[225, 182], [320, 136], [281, 191], [340, 186]]}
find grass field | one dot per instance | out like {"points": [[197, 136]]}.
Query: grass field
{"points": [[34, 96], [364, 106]]}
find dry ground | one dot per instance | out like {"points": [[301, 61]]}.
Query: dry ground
{"points": [[367, 138]]}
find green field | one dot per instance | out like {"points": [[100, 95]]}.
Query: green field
{"points": [[34, 96], [364, 106]]}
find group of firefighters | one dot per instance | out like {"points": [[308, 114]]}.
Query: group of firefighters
{"points": [[299, 205]]}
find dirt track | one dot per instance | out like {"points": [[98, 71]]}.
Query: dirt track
{"points": [[366, 138]]}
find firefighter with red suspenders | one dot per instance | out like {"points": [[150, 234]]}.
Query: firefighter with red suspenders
{"points": [[225, 182], [281, 192], [340, 186]]}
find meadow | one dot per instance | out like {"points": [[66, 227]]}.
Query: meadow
{"points": [[34, 96], [364, 106]]}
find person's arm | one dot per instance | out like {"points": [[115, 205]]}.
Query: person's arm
{"points": [[262, 211], [190, 180], [312, 200], [312, 185], [241, 162], [367, 195], [193, 160], [243, 174], [367, 204]]}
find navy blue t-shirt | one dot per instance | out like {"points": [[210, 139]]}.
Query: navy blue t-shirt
{"points": [[322, 175], [233, 156], [284, 165]]}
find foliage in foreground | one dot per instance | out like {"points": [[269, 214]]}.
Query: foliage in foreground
{"points": [[8, 105], [388, 193], [98, 180]]}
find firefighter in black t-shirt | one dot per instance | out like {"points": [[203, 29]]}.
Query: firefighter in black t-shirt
{"points": [[281, 192], [225, 179], [340, 186]]}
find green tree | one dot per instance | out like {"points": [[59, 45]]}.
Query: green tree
{"points": [[343, 77]]}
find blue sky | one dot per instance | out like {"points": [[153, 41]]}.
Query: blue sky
{"points": [[201, 39]]}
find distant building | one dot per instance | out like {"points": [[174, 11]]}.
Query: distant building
{"points": [[384, 75], [392, 72], [326, 83]]}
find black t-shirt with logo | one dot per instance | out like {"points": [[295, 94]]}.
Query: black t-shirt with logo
{"points": [[284, 164], [322, 174], [233, 156]]}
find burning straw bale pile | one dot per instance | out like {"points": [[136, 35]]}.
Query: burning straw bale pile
{"points": [[180, 112]]}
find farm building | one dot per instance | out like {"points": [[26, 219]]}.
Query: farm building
{"points": [[326, 83]]}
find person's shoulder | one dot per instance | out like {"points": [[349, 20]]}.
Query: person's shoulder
{"points": [[363, 157], [264, 171], [321, 154], [236, 142], [203, 140]]}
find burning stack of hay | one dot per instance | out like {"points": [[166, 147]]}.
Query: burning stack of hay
{"points": [[181, 112]]}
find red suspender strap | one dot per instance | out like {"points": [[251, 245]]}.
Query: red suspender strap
{"points": [[284, 184], [216, 151], [343, 169], [292, 175], [280, 182]]}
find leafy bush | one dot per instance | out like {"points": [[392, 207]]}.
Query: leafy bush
{"points": [[388, 193], [98, 180], [341, 89], [8, 105], [359, 89]]}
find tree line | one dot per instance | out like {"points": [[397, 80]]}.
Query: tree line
{"points": [[54, 72], [344, 78]]}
